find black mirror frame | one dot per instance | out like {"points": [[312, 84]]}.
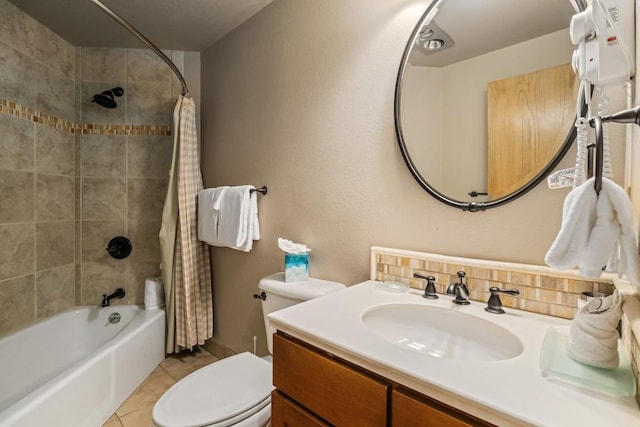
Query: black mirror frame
{"points": [[465, 206]]}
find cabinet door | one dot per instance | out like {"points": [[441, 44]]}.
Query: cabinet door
{"points": [[286, 413], [417, 411], [328, 387]]}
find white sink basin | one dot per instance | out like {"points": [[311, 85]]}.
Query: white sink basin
{"points": [[441, 332]]}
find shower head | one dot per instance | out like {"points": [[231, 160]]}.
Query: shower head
{"points": [[106, 99]]}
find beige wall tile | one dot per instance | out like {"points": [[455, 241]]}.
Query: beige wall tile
{"points": [[96, 236], [18, 303], [16, 143], [18, 71], [103, 198], [103, 156], [144, 238], [145, 198], [17, 201], [17, 258], [54, 151], [55, 197], [104, 64], [149, 156], [54, 244], [55, 52], [149, 103], [18, 29], [55, 93], [55, 290], [100, 278]]}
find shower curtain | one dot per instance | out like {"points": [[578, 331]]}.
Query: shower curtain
{"points": [[186, 270]]}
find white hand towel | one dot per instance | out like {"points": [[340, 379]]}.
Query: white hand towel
{"points": [[578, 218], [236, 213], [593, 338], [597, 231], [208, 210], [629, 258], [603, 239]]}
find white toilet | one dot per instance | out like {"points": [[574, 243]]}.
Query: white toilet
{"points": [[236, 391]]}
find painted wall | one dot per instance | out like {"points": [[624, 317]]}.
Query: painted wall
{"points": [[300, 98]]}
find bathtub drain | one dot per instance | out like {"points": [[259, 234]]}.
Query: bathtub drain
{"points": [[114, 318]]}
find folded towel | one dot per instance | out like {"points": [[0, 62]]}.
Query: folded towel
{"points": [[233, 213], [208, 209], [593, 337], [597, 231]]}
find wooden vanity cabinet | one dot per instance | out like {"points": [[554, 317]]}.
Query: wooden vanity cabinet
{"points": [[316, 389], [411, 409]]}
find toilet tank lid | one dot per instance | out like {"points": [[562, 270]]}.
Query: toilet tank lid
{"points": [[305, 290]]}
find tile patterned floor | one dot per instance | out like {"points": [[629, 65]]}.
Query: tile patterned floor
{"points": [[136, 410]]}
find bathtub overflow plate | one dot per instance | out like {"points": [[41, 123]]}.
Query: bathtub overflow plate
{"points": [[114, 318]]}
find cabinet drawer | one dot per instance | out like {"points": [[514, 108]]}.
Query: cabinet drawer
{"points": [[337, 393], [285, 413], [410, 410]]}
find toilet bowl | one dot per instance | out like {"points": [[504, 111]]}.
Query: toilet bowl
{"points": [[236, 391]]}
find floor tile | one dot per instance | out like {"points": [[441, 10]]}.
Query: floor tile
{"points": [[113, 422], [182, 364], [147, 393], [139, 418]]}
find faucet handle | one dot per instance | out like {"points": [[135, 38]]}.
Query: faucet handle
{"points": [[430, 288], [494, 305]]}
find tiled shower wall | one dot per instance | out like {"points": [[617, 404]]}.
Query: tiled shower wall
{"points": [[73, 174]]}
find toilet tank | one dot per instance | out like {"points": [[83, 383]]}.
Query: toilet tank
{"points": [[280, 294]]}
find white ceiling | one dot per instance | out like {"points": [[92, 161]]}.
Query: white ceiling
{"points": [[191, 25]]}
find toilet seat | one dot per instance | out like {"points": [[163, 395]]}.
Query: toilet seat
{"points": [[220, 394]]}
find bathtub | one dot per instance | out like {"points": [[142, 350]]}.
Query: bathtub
{"points": [[76, 368]]}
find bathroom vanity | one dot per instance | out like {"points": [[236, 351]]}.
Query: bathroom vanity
{"points": [[315, 388], [337, 362]]}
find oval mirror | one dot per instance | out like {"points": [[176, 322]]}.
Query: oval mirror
{"points": [[484, 101]]}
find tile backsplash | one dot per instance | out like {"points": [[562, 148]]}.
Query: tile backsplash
{"points": [[542, 290]]}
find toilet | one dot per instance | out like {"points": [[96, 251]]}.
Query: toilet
{"points": [[236, 391]]}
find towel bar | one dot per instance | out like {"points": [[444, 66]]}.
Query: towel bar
{"points": [[262, 190]]}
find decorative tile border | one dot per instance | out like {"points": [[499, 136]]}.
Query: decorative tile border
{"points": [[542, 289], [10, 107]]}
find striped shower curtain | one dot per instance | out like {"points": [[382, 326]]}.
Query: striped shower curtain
{"points": [[186, 269]]}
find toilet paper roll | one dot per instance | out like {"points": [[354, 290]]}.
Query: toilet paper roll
{"points": [[153, 293]]}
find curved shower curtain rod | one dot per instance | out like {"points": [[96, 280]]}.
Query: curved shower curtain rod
{"points": [[144, 40]]}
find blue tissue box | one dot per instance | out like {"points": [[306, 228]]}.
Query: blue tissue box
{"points": [[296, 267]]}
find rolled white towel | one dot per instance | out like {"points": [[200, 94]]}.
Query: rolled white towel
{"points": [[593, 337]]}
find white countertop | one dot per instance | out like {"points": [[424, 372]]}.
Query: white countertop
{"points": [[507, 393]]}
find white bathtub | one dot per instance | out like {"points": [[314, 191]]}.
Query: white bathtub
{"points": [[75, 369]]}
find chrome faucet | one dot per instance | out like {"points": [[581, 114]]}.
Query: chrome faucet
{"points": [[460, 290], [118, 293]]}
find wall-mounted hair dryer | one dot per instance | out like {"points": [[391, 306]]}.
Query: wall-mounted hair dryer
{"points": [[604, 33]]}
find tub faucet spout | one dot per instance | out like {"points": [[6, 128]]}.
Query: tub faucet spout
{"points": [[118, 293]]}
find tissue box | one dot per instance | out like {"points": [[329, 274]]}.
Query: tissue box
{"points": [[296, 267]]}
